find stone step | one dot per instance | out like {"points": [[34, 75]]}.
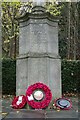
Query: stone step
{"points": [[42, 115]]}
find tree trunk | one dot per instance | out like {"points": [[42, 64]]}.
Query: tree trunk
{"points": [[68, 40]]}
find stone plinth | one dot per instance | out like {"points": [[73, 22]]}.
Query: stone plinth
{"points": [[38, 59]]}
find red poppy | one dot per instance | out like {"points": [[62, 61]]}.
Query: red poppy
{"points": [[19, 102], [45, 92]]}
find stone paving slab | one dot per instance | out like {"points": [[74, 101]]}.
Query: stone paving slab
{"points": [[41, 114], [26, 114], [62, 114]]}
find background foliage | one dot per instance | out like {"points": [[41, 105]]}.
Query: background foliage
{"points": [[69, 27], [8, 76], [68, 14], [70, 76]]}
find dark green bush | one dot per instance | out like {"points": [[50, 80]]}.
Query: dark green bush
{"points": [[70, 76], [8, 76]]}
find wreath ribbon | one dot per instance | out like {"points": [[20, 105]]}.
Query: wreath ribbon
{"points": [[30, 98]]}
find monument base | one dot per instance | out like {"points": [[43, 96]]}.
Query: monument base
{"points": [[34, 69]]}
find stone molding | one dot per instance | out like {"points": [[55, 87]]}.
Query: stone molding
{"points": [[38, 55], [40, 21], [38, 12]]}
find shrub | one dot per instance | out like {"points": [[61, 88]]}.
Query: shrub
{"points": [[70, 76], [8, 76]]}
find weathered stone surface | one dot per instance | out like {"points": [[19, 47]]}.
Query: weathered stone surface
{"points": [[38, 59], [39, 37], [45, 70], [26, 114], [21, 76], [64, 115]]}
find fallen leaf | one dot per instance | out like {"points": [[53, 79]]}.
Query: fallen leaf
{"points": [[76, 110], [54, 107], [53, 104], [17, 111], [58, 110], [3, 113], [11, 105]]}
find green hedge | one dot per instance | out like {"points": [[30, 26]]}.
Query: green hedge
{"points": [[8, 76], [70, 76]]}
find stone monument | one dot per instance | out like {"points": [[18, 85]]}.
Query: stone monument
{"points": [[38, 59]]}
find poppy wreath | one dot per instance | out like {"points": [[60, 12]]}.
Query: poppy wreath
{"points": [[65, 105], [41, 101], [19, 102]]}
